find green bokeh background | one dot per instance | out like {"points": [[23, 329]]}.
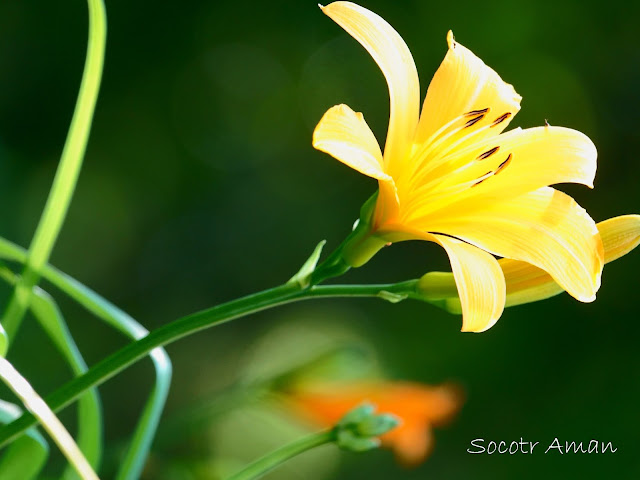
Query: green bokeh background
{"points": [[200, 185]]}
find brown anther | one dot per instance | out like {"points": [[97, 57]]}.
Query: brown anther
{"points": [[473, 121], [503, 164], [488, 153], [546, 123], [501, 119], [473, 113]]}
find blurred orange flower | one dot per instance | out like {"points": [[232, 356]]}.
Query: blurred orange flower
{"points": [[418, 406]]}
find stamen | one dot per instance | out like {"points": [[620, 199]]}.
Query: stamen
{"points": [[441, 130], [483, 178], [488, 153], [435, 138], [473, 113], [444, 157], [461, 141], [503, 164], [501, 119], [441, 135], [473, 121]]}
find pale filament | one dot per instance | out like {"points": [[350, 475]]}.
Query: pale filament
{"points": [[441, 158], [429, 145], [440, 198]]}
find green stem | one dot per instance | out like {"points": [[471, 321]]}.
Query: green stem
{"points": [[372, 290], [136, 350], [66, 177], [270, 461], [173, 331]]}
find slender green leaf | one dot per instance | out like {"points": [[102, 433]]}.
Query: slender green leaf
{"points": [[24, 458], [50, 318], [64, 183], [89, 438], [135, 459]]}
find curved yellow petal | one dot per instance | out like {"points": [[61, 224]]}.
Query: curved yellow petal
{"points": [[619, 236], [394, 59], [480, 283], [527, 283], [463, 84], [344, 134], [540, 156], [546, 228]]}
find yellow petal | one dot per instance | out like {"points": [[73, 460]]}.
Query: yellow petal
{"points": [[524, 160], [480, 284], [526, 283], [546, 228], [619, 236], [344, 134], [541, 156], [462, 84], [394, 59]]}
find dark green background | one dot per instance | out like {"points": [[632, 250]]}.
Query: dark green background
{"points": [[200, 185]]}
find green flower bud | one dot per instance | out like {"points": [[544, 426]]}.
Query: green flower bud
{"points": [[358, 429]]}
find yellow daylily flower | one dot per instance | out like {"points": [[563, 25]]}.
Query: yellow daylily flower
{"points": [[451, 176], [526, 283]]}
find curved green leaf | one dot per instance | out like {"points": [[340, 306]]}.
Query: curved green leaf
{"points": [[24, 458]]}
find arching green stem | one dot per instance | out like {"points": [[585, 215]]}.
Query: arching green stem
{"points": [[271, 460], [173, 331]]}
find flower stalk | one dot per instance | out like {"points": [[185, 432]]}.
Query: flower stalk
{"points": [[182, 327], [271, 460], [357, 431]]}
